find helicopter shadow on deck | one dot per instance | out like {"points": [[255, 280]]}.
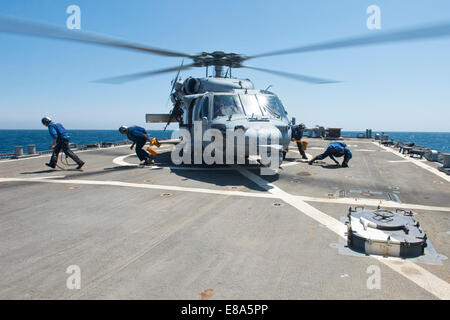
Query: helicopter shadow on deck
{"points": [[219, 175]]}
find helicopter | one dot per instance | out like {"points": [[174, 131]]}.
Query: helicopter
{"points": [[220, 101]]}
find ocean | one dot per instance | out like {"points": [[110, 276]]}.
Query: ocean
{"points": [[439, 141], [42, 139], [10, 138]]}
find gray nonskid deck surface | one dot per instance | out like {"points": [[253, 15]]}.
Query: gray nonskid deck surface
{"points": [[166, 233]]}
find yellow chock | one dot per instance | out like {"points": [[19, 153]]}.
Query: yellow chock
{"points": [[304, 145], [152, 151], [156, 142]]}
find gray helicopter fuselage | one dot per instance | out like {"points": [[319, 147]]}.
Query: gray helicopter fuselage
{"points": [[230, 104]]}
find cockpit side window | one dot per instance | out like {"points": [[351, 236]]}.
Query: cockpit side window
{"points": [[226, 105]]}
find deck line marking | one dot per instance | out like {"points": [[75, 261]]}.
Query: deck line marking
{"points": [[350, 201], [50, 177], [398, 161], [420, 276], [145, 186], [121, 162], [418, 163], [375, 203]]}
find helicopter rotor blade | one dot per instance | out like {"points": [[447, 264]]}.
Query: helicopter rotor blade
{"points": [[31, 28], [140, 75], [294, 76], [176, 78], [401, 35]]}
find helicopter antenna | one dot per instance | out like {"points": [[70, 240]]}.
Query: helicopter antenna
{"points": [[268, 88]]}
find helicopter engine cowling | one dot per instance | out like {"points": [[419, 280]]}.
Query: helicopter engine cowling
{"points": [[191, 85]]}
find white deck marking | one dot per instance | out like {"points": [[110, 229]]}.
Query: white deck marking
{"points": [[144, 186], [50, 177], [410, 270], [417, 162], [405, 160], [374, 203], [121, 161]]}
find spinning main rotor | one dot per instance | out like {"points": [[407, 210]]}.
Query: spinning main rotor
{"points": [[218, 59]]}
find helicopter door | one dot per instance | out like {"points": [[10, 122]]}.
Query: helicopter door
{"points": [[204, 113], [201, 115]]}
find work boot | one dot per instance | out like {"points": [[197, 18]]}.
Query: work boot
{"points": [[148, 162], [80, 165], [50, 165], [312, 160]]}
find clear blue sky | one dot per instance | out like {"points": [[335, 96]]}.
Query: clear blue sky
{"points": [[397, 87]]}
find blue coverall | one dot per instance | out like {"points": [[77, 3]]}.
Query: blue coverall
{"points": [[297, 134], [335, 149], [58, 132], [135, 134]]}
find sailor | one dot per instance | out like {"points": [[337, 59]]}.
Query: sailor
{"points": [[297, 135], [60, 141], [335, 149], [139, 137]]}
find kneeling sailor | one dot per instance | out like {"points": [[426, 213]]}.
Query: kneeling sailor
{"points": [[335, 149]]}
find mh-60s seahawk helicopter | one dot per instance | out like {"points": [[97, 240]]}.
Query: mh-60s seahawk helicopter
{"points": [[221, 101]]}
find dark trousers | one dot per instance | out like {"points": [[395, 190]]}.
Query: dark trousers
{"points": [[329, 153], [64, 145], [300, 149], [142, 154]]}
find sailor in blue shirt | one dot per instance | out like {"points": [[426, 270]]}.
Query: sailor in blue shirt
{"points": [[139, 137], [335, 149], [297, 135], [60, 141]]}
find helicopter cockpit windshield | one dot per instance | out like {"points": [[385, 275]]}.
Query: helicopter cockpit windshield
{"points": [[272, 105], [248, 104], [226, 105]]}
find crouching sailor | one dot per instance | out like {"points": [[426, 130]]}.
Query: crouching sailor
{"points": [[335, 149], [60, 141], [139, 137]]}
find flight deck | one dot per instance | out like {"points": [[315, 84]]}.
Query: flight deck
{"points": [[217, 232]]}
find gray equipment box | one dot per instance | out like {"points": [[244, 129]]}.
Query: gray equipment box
{"points": [[386, 233]]}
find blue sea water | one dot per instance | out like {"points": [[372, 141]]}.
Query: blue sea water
{"points": [[41, 138], [439, 141], [10, 138]]}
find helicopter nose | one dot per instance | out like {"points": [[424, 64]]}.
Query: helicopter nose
{"points": [[264, 135]]}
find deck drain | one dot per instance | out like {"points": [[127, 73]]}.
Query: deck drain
{"points": [[278, 204], [166, 194], [304, 174]]}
